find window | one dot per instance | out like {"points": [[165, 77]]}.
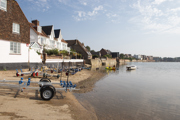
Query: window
{"points": [[3, 4], [16, 28], [58, 45], [43, 41], [52, 43], [15, 48]]}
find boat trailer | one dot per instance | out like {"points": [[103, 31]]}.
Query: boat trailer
{"points": [[46, 88]]}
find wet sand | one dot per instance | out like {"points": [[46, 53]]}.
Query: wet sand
{"points": [[15, 105]]}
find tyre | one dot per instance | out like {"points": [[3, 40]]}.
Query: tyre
{"points": [[47, 92], [44, 80]]}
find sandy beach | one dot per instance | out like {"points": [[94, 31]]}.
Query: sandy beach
{"points": [[28, 105]]}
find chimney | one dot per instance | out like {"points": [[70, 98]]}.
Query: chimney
{"points": [[36, 22]]}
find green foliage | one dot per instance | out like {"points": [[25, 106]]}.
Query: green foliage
{"points": [[130, 59], [52, 51], [72, 50], [121, 56], [79, 55], [64, 52], [88, 48], [38, 53], [55, 51], [4, 69], [105, 56], [93, 51], [95, 56]]}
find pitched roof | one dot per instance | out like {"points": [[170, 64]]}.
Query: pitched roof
{"points": [[35, 30], [63, 41], [47, 29], [108, 51], [75, 42], [33, 43], [57, 33]]}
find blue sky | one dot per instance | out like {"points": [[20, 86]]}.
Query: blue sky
{"points": [[149, 27]]}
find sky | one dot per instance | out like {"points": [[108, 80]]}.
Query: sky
{"points": [[146, 27]]}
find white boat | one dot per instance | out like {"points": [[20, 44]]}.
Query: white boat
{"points": [[131, 67]]}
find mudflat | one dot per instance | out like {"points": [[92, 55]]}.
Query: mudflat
{"points": [[17, 105]]}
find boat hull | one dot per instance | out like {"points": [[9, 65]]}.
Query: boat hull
{"points": [[131, 67]]}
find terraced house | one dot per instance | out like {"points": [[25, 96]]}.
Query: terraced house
{"points": [[47, 36], [14, 34]]}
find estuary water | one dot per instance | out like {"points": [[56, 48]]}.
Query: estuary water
{"points": [[151, 92]]}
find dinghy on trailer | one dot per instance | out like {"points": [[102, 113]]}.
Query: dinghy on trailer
{"points": [[131, 67]]}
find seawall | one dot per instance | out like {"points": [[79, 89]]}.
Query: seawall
{"points": [[49, 63]]}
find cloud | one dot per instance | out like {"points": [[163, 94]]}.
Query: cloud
{"points": [[110, 15], [154, 18], [40, 5], [82, 15], [95, 11], [83, 2], [158, 2]]}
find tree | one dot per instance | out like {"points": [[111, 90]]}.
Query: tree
{"points": [[121, 56], [89, 49], [95, 56], [93, 51]]}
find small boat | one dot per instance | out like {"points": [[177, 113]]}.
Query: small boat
{"points": [[131, 67], [111, 68]]}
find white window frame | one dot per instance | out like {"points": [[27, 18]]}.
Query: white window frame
{"points": [[15, 48], [16, 28], [3, 7], [52, 43], [43, 41]]}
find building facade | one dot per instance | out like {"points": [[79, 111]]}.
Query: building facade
{"points": [[105, 52], [14, 34], [80, 48], [47, 36]]}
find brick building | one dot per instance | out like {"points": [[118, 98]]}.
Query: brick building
{"points": [[105, 52], [46, 35], [14, 35], [80, 48]]}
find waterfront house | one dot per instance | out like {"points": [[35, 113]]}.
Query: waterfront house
{"points": [[105, 52], [149, 57], [96, 54], [80, 48], [128, 56], [115, 55], [157, 59], [47, 36], [138, 57], [14, 35]]}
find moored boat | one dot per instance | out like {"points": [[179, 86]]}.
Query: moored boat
{"points": [[131, 67], [111, 68]]}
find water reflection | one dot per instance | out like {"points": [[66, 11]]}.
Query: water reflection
{"points": [[150, 92]]}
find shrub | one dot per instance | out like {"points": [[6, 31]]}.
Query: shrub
{"points": [[52, 51], [105, 56], [64, 52]]}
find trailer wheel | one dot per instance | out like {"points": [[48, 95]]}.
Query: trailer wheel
{"points": [[47, 92], [58, 76], [44, 80]]}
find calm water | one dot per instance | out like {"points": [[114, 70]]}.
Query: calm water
{"points": [[152, 92]]}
